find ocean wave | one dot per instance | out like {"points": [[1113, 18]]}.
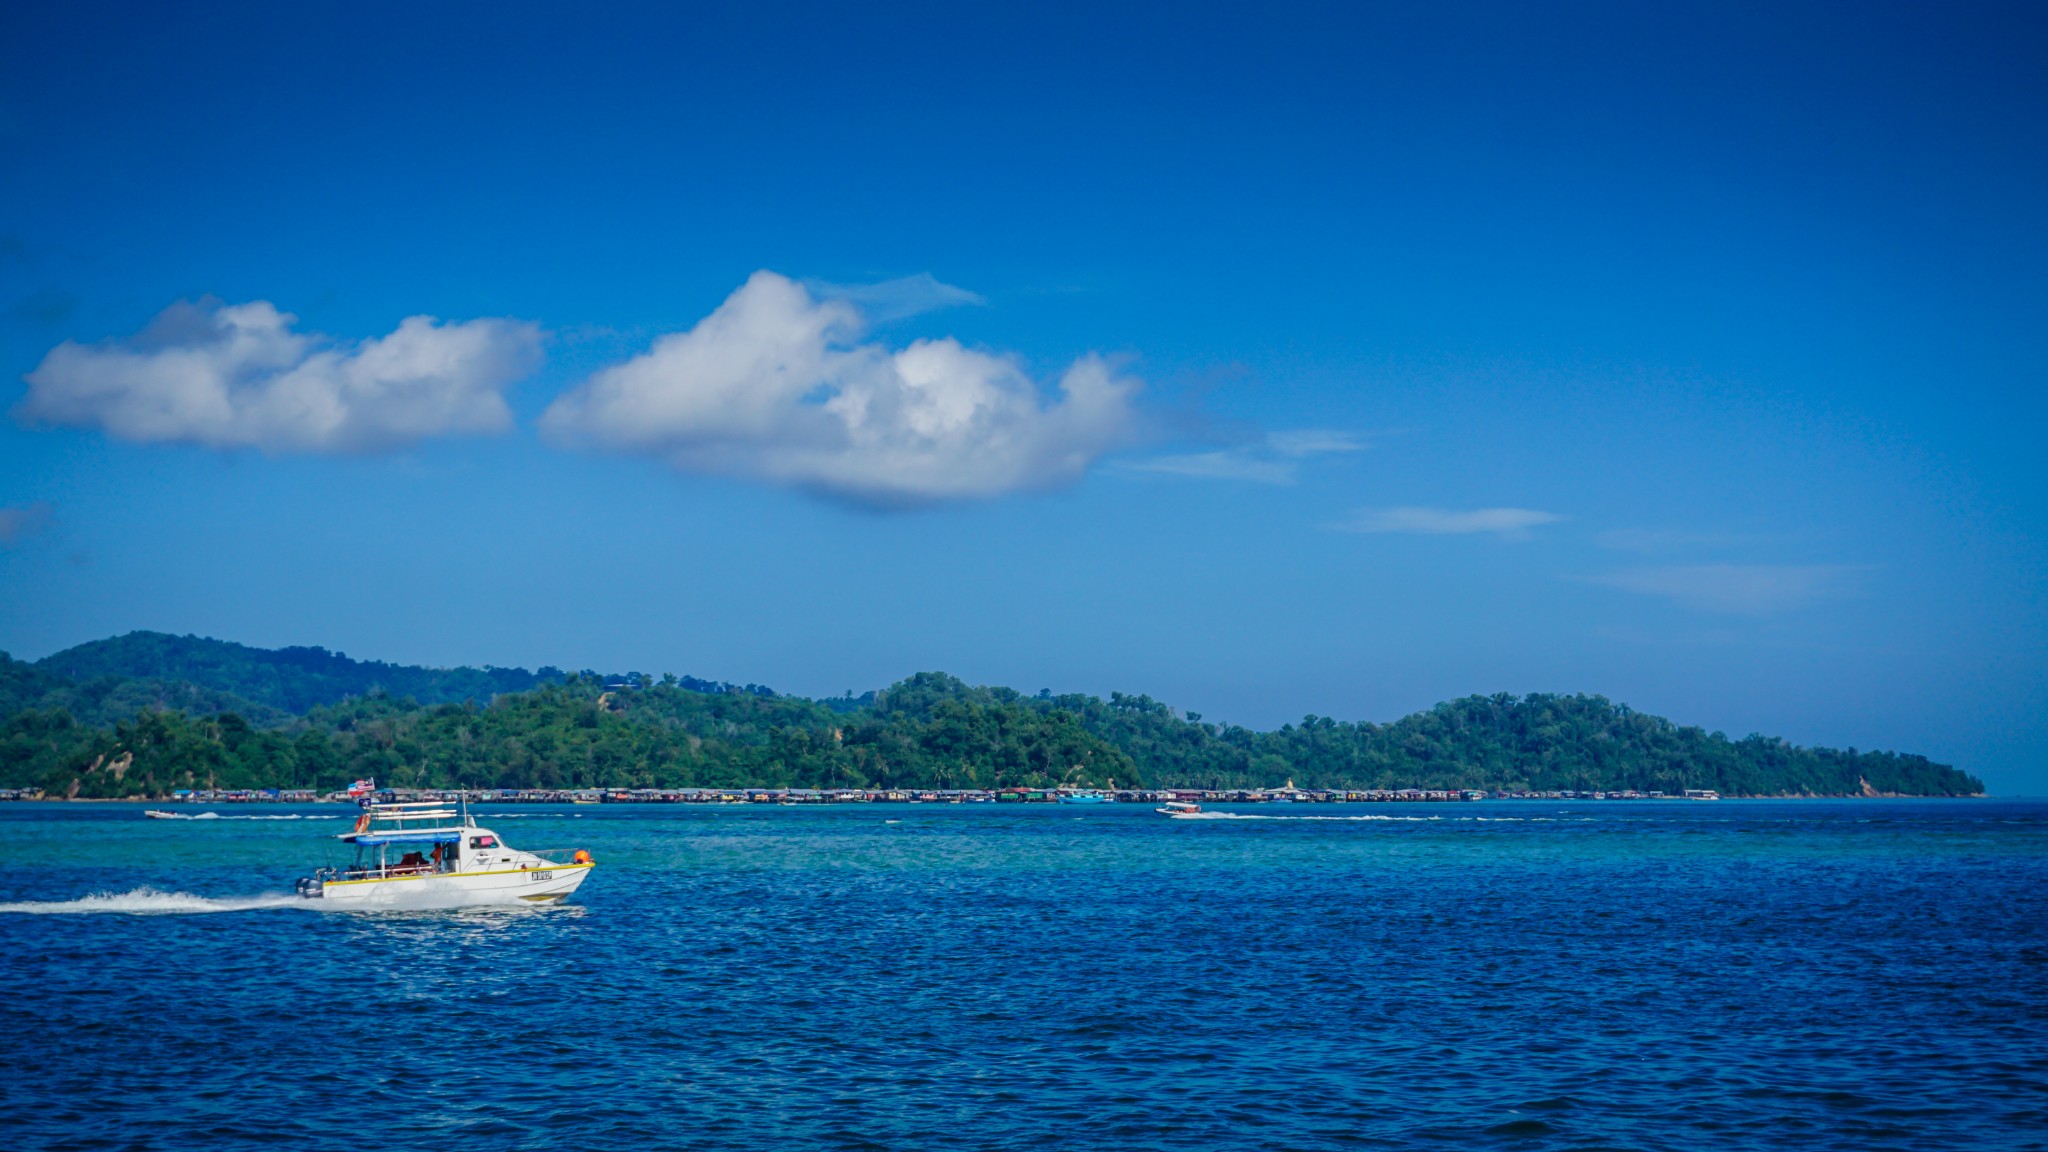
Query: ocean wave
{"points": [[149, 902]]}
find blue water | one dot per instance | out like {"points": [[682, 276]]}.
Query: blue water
{"points": [[1740, 975]]}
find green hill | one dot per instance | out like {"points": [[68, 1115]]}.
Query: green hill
{"points": [[146, 713], [1535, 742], [288, 679]]}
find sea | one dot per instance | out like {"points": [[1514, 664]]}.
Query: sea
{"points": [[1741, 974]]}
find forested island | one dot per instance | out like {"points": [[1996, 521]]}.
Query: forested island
{"points": [[143, 714]]}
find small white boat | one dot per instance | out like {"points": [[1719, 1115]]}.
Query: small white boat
{"points": [[158, 814], [435, 856], [1179, 808]]}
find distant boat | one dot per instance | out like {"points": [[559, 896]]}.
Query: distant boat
{"points": [[1179, 808], [157, 814], [1087, 798]]}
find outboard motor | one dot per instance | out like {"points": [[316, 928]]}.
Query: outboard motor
{"points": [[309, 888]]}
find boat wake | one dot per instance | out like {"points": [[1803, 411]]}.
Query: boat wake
{"points": [[150, 902]]}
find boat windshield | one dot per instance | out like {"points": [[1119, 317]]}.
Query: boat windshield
{"points": [[380, 857]]}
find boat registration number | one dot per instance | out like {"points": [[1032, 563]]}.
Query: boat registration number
{"points": [[532, 877]]}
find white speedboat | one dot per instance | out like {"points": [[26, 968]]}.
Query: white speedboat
{"points": [[1179, 808], [435, 856]]}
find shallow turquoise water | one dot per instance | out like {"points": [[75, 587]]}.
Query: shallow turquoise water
{"points": [[1747, 974]]}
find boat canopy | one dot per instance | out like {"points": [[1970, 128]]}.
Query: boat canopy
{"points": [[449, 836]]}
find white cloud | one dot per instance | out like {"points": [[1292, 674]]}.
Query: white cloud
{"points": [[1223, 464], [1736, 589], [1275, 459], [21, 521], [237, 376], [1506, 522], [896, 299], [776, 385]]}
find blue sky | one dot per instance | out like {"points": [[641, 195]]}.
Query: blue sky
{"points": [[1268, 360]]}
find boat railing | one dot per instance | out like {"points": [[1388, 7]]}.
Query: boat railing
{"points": [[389, 870]]}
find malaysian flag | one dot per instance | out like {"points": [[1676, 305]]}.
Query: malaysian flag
{"points": [[363, 787]]}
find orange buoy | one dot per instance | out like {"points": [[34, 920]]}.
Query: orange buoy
{"points": [[582, 857]]}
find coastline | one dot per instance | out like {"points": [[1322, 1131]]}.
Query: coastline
{"points": [[793, 796]]}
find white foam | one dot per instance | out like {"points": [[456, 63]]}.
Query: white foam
{"points": [[150, 902]]}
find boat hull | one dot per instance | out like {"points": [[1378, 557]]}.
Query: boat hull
{"points": [[513, 886]]}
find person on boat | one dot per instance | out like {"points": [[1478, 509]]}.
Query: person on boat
{"points": [[412, 862]]}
